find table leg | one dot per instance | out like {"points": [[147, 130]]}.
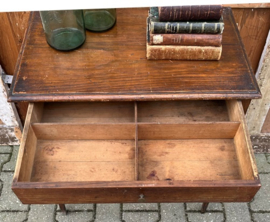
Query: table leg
{"points": [[63, 208], [204, 207]]}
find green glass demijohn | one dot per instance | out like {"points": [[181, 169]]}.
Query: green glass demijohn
{"points": [[64, 30], [99, 20]]}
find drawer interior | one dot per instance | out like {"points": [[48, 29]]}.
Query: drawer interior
{"points": [[186, 159], [182, 111], [94, 112], [135, 141]]}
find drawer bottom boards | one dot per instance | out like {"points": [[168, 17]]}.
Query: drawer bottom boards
{"points": [[175, 151]]}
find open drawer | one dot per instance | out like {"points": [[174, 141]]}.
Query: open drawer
{"points": [[166, 151]]}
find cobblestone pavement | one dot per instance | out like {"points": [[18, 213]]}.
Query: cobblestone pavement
{"points": [[11, 209]]}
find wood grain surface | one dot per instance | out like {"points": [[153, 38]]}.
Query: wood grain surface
{"points": [[253, 25], [96, 160], [130, 191], [12, 32], [188, 160], [112, 66]]}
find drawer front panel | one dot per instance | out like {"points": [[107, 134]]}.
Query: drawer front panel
{"points": [[136, 195]]}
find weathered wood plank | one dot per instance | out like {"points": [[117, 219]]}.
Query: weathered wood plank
{"points": [[253, 25], [182, 111], [242, 141], [200, 159], [12, 30], [129, 192], [9, 135], [258, 109]]}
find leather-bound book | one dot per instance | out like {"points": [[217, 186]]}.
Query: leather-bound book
{"points": [[183, 52], [209, 27], [185, 39], [190, 13]]}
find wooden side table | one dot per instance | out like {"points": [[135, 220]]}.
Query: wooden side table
{"points": [[106, 125]]}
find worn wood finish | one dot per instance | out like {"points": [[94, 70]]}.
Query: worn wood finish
{"points": [[129, 192], [72, 162], [63, 208], [84, 161], [188, 160], [112, 66], [22, 110], [252, 22], [204, 207], [245, 161], [84, 150], [242, 141], [257, 111], [12, 31], [29, 156], [8, 56], [28, 144], [84, 131], [253, 25], [200, 130], [182, 111], [88, 112]]}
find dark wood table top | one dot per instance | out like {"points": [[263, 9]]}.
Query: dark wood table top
{"points": [[112, 65]]}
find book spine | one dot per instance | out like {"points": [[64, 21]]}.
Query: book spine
{"points": [[186, 27], [185, 39], [190, 13], [183, 52]]}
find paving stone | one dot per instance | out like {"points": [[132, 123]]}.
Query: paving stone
{"points": [[262, 163], [140, 206], [198, 207], [268, 157], [261, 217], [83, 216], [8, 200], [13, 216], [261, 201], [237, 212], [172, 212], [4, 158], [140, 216], [5, 149], [10, 166], [207, 217], [41, 213], [108, 213], [78, 207]]}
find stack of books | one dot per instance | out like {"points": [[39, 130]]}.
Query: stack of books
{"points": [[185, 32]]}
